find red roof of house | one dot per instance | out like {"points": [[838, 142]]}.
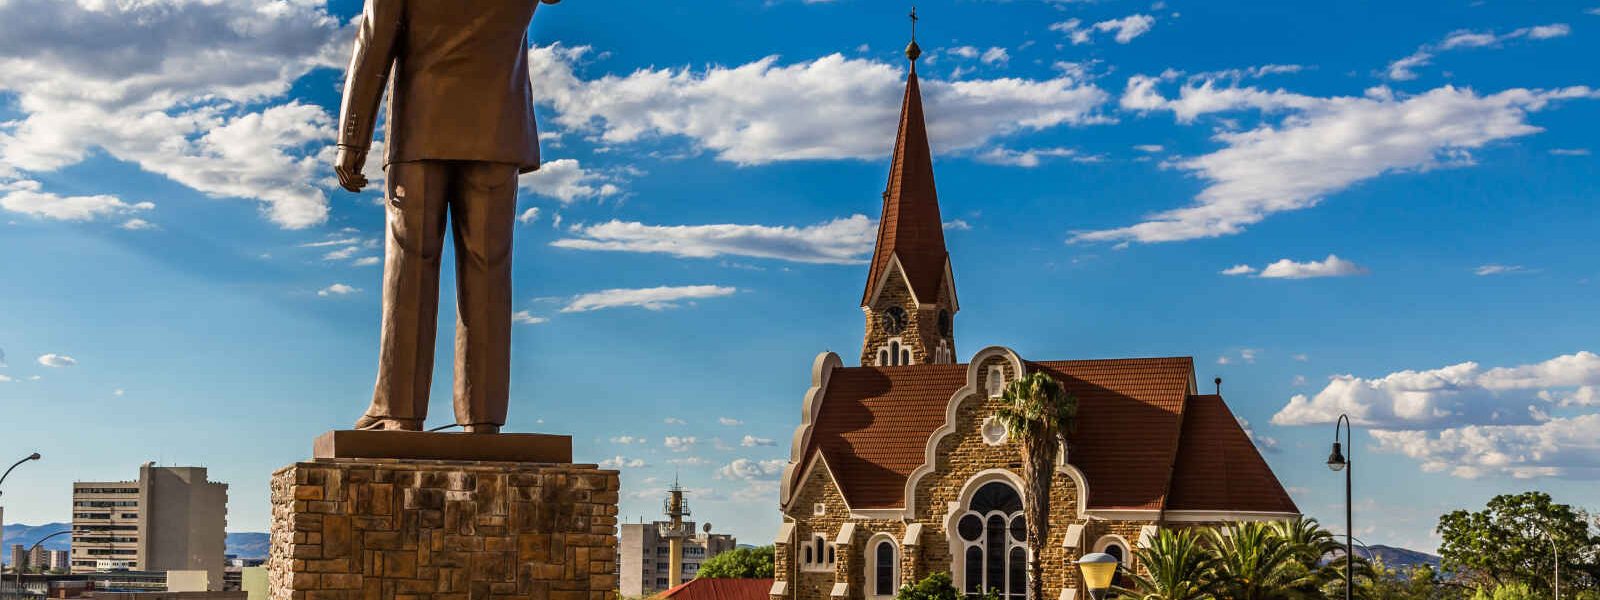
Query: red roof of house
{"points": [[874, 424], [720, 589], [1219, 467], [910, 226]]}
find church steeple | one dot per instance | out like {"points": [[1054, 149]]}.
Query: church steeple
{"points": [[910, 296]]}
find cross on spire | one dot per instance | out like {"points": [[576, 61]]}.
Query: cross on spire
{"points": [[913, 50]]}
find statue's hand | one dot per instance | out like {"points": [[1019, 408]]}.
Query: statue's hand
{"points": [[348, 166]]}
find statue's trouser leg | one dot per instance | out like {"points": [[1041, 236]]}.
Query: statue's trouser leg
{"points": [[483, 204], [416, 199]]}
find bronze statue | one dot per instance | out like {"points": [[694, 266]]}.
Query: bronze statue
{"points": [[460, 130]]}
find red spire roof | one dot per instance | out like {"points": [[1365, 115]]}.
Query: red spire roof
{"points": [[910, 226]]}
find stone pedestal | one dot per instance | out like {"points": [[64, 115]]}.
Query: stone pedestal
{"points": [[418, 529]]}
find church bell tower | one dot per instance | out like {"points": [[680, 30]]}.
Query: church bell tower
{"points": [[910, 298]]}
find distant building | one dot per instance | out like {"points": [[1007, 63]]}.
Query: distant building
{"points": [[60, 560], [647, 560], [170, 519], [19, 556]]}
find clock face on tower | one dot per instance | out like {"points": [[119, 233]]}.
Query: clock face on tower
{"points": [[893, 320]]}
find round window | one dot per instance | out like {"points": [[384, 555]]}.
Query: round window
{"points": [[994, 432], [970, 528]]}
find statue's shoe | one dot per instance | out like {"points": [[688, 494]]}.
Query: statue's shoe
{"points": [[371, 423], [485, 428]]}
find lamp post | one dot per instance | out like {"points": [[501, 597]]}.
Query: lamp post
{"points": [[1338, 461], [18, 568], [1556, 551], [34, 456], [1098, 570]]}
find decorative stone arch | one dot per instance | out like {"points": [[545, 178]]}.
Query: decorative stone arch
{"points": [[930, 452], [872, 561], [959, 508], [821, 371]]}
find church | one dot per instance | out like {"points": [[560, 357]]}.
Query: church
{"points": [[899, 469]]}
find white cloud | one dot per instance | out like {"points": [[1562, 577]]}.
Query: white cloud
{"points": [[751, 441], [1404, 69], [137, 224], [1561, 447], [620, 462], [1570, 151], [338, 289], [1453, 396], [1323, 146], [1032, 157], [829, 107], [688, 461], [1126, 28], [523, 317], [367, 261], [628, 439], [57, 360], [25, 197], [744, 468], [995, 55], [730, 422], [840, 241], [342, 253], [1496, 269], [529, 217], [680, 443], [957, 225], [1149, 148], [566, 180], [164, 84], [1332, 266], [656, 298], [6, 379], [963, 52], [674, 421]]}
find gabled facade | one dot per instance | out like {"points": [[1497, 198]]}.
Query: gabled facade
{"points": [[899, 468]]}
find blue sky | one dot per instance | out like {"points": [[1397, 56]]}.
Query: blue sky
{"points": [[1404, 200]]}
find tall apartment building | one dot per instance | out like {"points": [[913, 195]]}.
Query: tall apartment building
{"points": [[19, 556], [60, 560], [170, 519]]}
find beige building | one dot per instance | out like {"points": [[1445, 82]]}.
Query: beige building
{"points": [[645, 558], [170, 519]]}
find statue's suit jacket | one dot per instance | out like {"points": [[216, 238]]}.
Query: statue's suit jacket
{"points": [[459, 88]]}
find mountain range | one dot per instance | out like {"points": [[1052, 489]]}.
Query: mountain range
{"points": [[244, 544]]}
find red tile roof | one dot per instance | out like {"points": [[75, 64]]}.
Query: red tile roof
{"points": [[874, 424], [1219, 467], [720, 589], [909, 225]]}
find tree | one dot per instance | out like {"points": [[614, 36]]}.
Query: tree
{"points": [[739, 563], [1038, 413], [1510, 542], [933, 587], [1254, 562], [1176, 567]]}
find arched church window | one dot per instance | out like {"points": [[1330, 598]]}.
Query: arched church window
{"points": [[883, 567], [883, 358], [894, 351], [905, 356], [993, 534]]}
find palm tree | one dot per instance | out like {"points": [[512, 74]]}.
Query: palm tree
{"points": [[1038, 414], [1176, 567], [1255, 562]]}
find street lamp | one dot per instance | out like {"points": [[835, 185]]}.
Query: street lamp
{"points": [[1098, 570], [1339, 462], [1556, 550], [18, 568], [34, 456]]}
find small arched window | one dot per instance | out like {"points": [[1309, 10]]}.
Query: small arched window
{"points": [[884, 568], [883, 358], [905, 357], [809, 557], [894, 352]]}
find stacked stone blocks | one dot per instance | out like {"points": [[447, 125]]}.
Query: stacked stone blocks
{"points": [[383, 529]]}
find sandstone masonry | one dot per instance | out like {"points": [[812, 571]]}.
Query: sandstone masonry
{"points": [[385, 529]]}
